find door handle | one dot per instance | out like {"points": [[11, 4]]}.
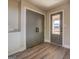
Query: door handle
{"points": [[37, 29]]}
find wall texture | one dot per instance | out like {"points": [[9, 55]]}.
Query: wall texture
{"points": [[66, 24]]}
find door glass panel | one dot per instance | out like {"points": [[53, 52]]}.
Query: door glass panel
{"points": [[56, 24]]}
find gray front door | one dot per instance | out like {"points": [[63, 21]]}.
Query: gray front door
{"points": [[34, 28], [56, 29]]}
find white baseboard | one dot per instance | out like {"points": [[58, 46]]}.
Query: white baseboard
{"points": [[46, 40], [15, 51], [66, 46]]}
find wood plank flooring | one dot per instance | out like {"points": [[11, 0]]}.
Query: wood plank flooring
{"points": [[44, 51]]}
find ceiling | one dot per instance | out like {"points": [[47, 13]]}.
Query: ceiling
{"points": [[47, 4]]}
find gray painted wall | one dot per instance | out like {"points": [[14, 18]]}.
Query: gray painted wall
{"points": [[34, 20]]}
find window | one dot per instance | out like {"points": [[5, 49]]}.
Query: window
{"points": [[56, 24]]}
